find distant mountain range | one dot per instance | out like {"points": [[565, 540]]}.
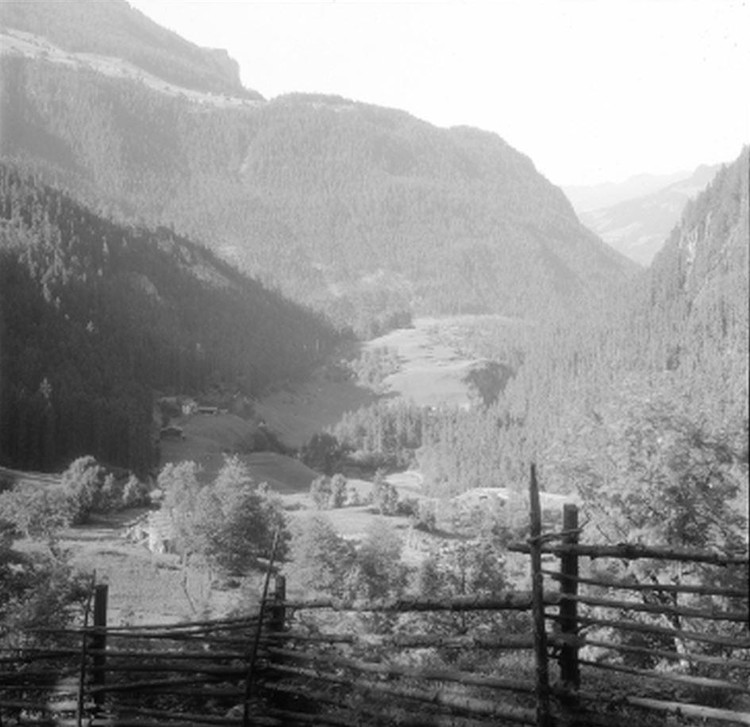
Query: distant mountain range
{"points": [[364, 212], [636, 216], [588, 197]]}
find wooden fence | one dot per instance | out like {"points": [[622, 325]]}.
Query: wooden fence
{"points": [[565, 652]]}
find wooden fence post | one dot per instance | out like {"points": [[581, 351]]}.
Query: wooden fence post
{"points": [[80, 702], [99, 642], [278, 610], [543, 716], [569, 668]]}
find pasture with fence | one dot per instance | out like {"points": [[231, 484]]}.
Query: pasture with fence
{"points": [[588, 644]]}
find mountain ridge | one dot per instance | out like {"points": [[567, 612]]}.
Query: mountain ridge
{"points": [[366, 213], [638, 227], [116, 29]]}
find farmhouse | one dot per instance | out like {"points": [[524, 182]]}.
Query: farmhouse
{"points": [[171, 432], [155, 530]]}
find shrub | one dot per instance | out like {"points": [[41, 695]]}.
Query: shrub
{"points": [[385, 496]]}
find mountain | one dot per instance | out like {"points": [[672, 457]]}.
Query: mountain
{"points": [[638, 227], [96, 317], [697, 305], [366, 213], [663, 360], [93, 32], [588, 197]]}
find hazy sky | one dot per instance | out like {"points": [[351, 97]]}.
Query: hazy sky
{"points": [[591, 90]]}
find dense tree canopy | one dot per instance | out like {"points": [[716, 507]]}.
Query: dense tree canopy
{"points": [[96, 317]]}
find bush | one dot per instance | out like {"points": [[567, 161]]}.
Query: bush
{"points": [[36, 513], [426, 518], [89, 488], [231, 522], [323, 453], [328, 492], [384, 495]]}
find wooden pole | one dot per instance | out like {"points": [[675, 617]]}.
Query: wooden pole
{"points": [[84, 658], [278, 610], [276, 626], [569, 669], [543, 716], [99, 643]]}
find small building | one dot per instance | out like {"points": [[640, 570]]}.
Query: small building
{"points": [[155, 530], [211, 410], [171, 432], [189, 407]]}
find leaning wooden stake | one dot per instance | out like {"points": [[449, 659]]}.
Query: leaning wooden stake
{"points": [[256, 641], [543, 716]]}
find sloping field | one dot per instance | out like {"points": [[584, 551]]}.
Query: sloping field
{"points": [[208, 438], [207, 434], [432, 373], [284, 475], [297, 413]]}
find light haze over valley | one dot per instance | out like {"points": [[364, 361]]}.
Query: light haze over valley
{"points": [[328, 291]]}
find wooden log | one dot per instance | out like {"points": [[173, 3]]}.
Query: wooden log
{"points": [[115, 654], [36, 686], [659, 653], [176, 668], [129, 712], [439, 696], [193, 689], [29, 655], [662, 609], [511, 600], [728, 641], [543, 714], [181, 642], [198, 626], [413, 641], [382, 713], [634, 551], [146, 684], [395, 670], [701, 682], [664, 587], [697, 711], [37, 679], [122, 722]]}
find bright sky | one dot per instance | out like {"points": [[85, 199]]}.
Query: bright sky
{"points": [[591, 90]]}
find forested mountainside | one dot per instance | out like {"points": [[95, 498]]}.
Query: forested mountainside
{"points": [[655, 381], [95, 317], [117, 30], [364, 212], [638, 227]]}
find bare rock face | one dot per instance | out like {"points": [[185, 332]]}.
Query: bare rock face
{"points": [[225, 64]]}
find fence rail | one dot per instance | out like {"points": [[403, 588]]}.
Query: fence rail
{"points": [[682, 640]]}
